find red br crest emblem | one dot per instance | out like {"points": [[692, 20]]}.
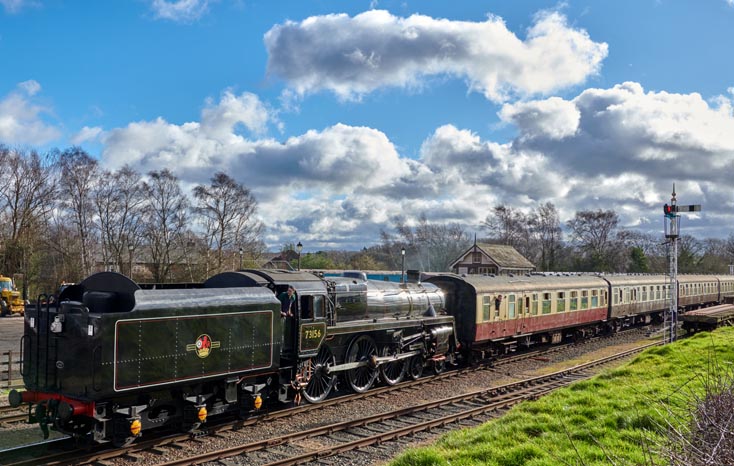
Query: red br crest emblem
{"points": [[203, 346]]}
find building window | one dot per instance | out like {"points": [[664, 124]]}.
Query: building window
{"points": [[476, 257]]}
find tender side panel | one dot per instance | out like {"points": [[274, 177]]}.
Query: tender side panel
{"points": [[153, 352]]}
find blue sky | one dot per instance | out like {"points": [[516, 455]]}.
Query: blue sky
{"points": [[341, 115]]}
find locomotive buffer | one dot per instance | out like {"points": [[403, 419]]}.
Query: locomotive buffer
{"points": [[672, 232]]}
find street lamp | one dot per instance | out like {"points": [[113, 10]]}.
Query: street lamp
{"points": [[402, 265], [241, 253], [299, 248], [130, 248]]}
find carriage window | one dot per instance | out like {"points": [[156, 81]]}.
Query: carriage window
{"points": [[561, 302], [626, 295], [604, 298], [574, 304], [485, 308], [644, 293], [546, 303], [657, 292], [511, 306], [584, 299], [535, 304], [616, 297], [594, 298]]}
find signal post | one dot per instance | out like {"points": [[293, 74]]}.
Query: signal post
{"points": [[672, 233]]}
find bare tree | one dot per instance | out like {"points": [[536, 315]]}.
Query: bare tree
{"points": [[506, 225], [165, 224], [545, 228], [79, 176], [119, 201], [595, 234], [26, 196], [431, 247], [227, 212]]}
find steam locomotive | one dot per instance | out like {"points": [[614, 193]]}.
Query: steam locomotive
{"points": [[109, 360]]}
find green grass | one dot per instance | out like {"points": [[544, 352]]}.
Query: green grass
{"points": [[619, 417]]}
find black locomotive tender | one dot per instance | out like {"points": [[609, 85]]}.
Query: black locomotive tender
{"points": [[109, 360]]}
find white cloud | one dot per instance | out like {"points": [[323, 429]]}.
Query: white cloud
{"points": [[352, 56], [180, 11], [619, 148], [555, 118], [31, 87], [87, 134], [22, 119]]}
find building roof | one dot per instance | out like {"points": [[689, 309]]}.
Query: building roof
{"points": [[505, 256]]}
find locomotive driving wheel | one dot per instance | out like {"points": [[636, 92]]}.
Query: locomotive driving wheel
{"points": [[362, 349], [392, 372], [415, 367], [319, 380]]}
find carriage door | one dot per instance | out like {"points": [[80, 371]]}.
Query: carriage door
{"points": [[521, 310], [311, 324]]}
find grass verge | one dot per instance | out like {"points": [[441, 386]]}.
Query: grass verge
{"points": [[621, 417]]}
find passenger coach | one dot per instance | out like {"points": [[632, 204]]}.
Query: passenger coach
{"points": [[496, 314]]}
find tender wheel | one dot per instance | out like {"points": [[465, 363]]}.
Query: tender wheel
{"points": [[439, 366], [320, 382], [362, 349], [415, 368], [392, 372]]}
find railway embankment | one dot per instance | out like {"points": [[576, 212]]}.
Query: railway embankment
{"points": [[660, 408]]}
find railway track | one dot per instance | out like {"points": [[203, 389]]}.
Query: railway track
{"points": [[351, 435], [337, 438], [10, 415]]}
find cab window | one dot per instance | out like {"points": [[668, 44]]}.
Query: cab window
{"points": [[312, 307]]}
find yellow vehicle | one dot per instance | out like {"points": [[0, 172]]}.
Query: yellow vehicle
{"points": [[10, 300]]}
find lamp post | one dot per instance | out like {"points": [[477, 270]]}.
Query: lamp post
{"points": [[241, 254], [299, 248], [402, 265], [130, 248]]}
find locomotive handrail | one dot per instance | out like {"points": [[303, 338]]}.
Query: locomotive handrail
{"points": [[22, 345]]}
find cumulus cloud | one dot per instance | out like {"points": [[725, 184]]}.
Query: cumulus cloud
{"points": [[625, 129], [352, 56], [22, 118], [620, 147], [180, 11], [87, 134]]}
